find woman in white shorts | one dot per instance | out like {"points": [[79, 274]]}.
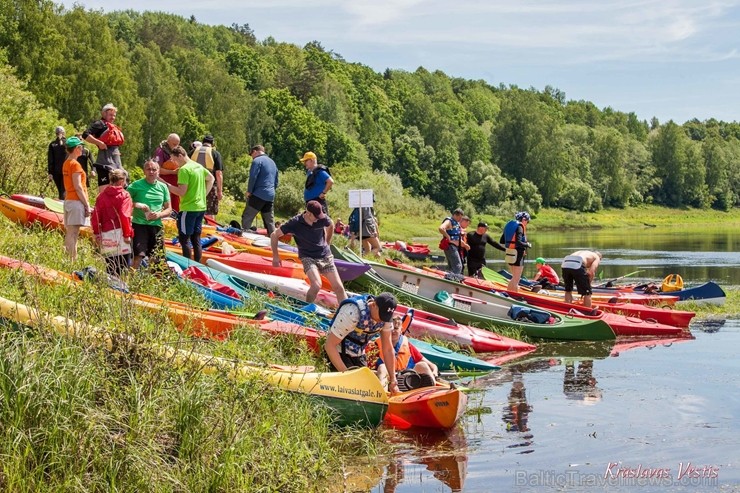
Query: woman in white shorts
{"points": [[76, 203]]}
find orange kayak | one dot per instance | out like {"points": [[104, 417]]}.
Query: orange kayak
{"points": [[200, 323], [427, 407]]}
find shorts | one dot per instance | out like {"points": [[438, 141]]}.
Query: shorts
{"points": [[74, 213], [324, 264], [575, 272], [148, 239], [515, 260], [349, 361], [190, 222], [212, 202]]}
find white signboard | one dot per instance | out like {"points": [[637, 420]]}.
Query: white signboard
{"points": [[360, 198]]}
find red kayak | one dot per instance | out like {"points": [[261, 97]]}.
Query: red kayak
{"points": [[620, 324]]}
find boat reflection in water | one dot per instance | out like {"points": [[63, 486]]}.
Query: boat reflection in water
{"points": [[442, 453]]}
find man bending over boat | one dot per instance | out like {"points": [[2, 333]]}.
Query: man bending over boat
{"points": [[310, 231], [580, 268], [407, 358], [355, 322]]}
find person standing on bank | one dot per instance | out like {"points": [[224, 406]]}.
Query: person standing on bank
{"points": [[309, 231], [207, 156], [355, 322], [193, 184], [514, 239], [260, 196], [167, 167], [452, 241], [151, 199], [477, 240], [318, 184], [76, 203], [108, 138], [55, 157], [112, 216], [580, 268]]}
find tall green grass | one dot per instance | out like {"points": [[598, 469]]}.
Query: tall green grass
{"points": [[74, 417]]}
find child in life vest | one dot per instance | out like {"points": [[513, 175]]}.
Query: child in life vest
{"points": [[407, 357]]}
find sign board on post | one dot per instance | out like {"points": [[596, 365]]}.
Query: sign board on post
{"points": [[360, 199]]}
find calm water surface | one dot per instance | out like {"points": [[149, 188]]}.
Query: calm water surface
{"points": [[591, 417]]}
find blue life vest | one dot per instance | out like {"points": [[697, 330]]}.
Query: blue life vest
{"points": [[355, 342], [509, 236], [456, 232]]}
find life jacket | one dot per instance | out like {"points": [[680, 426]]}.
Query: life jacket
{"points": [[203, 155], [508, 238], [356, 341], [456, 232], [402, 352], [311, 176], [112, 135]]}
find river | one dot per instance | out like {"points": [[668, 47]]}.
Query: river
{"points": [[655, 416]]}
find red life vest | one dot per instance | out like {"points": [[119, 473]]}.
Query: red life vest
{"points": [[112, 135]]}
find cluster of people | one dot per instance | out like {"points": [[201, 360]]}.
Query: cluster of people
{"points": [[459, 246], [127, 218]]}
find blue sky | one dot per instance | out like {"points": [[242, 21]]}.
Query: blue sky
{"points": [[673, 59]]}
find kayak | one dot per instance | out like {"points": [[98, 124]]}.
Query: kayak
{"points": [[428, 407], [193, 321], [354, 397], [604, 297], [424, 323], [471, 305], [27, 215], [289, 268], [622, 325]]}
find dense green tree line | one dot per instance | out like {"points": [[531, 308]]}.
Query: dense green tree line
{"points": [[459, 142]]}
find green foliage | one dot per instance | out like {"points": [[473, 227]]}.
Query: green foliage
{"points": [[171, 74]]}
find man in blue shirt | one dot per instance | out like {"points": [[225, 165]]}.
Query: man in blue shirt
{"points": [[318, 184], [309, 231], [263, 181]]}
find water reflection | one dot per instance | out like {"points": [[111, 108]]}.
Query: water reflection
{"points": [[579, 382], [444, 454]]}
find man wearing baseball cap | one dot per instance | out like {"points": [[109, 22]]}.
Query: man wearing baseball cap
{"points": [[478, 240], [309, 230], [318, 184], [357, 320]]}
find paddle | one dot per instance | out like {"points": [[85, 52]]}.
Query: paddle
{"points": [[618, 278]]}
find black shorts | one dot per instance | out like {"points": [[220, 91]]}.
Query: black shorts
{"points": [[349, 361], [580, 278], [148, 240]]}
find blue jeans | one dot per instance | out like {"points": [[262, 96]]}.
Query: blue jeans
{"points": [[454, 262]]}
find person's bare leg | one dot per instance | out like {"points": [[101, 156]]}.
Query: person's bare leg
{"points": [[314, 279], [516, 275], [336, 285], [71, 235]]}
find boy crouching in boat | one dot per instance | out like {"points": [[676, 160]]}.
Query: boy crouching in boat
{"points": [[408, 359]]}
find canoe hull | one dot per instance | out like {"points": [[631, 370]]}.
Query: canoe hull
{"points": [[428, 407]]}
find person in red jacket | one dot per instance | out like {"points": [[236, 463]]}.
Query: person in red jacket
{"points": [[546, 276], [111, 223]]}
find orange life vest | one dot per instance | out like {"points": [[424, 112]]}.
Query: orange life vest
{"points": [[402, 350]]}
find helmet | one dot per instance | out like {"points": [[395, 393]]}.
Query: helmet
{"points": [[539, 260], [521, 216]]}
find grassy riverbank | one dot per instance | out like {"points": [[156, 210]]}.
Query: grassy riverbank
{"points": [[75, 417]]}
